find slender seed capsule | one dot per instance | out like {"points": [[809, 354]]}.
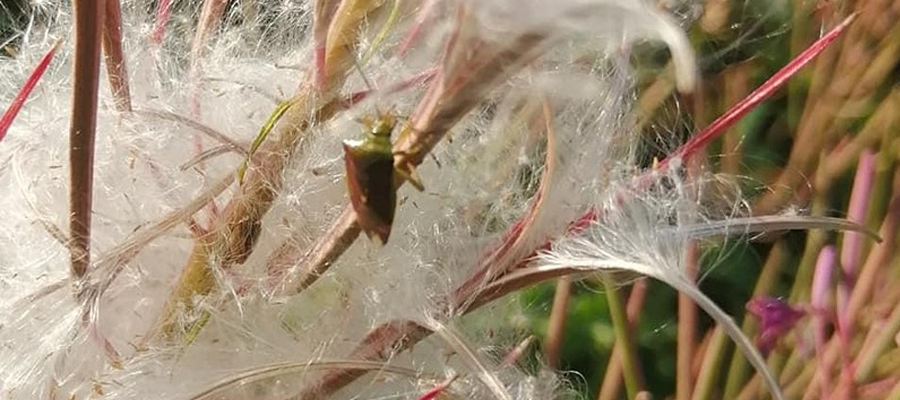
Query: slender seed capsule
{"points": [[370, 177]]}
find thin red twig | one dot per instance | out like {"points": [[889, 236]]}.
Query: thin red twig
{"points": [[10, 115], [434, 393], [766, 90]]}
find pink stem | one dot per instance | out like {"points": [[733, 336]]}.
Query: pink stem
{"points": [[852, 246], [324, 13], [416, 30], [163, 11], [820, 290]]}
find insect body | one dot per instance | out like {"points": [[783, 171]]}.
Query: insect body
{"points": [[370, 177]]}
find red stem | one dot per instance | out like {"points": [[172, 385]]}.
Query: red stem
{"points": [[766, 90], [10, 115]]}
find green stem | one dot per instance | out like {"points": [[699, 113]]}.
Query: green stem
{"points": [[768, 277], [866, 360], [622, 328], [802, 287], [815, 240], [383, 33], [799, 40], [712, 360]]}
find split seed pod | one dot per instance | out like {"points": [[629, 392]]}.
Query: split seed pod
{"points": [[370, 177]]}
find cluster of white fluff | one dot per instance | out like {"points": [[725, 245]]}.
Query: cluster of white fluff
{"points": [[478, 184]]}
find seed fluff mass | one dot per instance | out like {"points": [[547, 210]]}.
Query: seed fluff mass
{"points": [[517, 116]]}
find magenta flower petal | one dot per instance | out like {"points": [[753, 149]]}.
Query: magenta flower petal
{"points": [[777, 318]]}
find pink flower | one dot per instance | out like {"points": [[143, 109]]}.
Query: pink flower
{"points": [[777, 318]]}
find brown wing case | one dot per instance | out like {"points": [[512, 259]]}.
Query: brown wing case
{"points": [[370, 184]]}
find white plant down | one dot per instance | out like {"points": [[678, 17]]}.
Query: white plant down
{"points": [[56, 344]]}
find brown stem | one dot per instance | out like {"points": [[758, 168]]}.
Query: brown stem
{"points": [[115, 56], [687, 324], [378, 345], [390, 338], [715, 15], [342, 233], [737, 86], [879, 257], [88, 22], [556, 326], [817, 119], [883, 119]]}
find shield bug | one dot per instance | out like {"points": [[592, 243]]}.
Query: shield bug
{"points": [[370, 177]]}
